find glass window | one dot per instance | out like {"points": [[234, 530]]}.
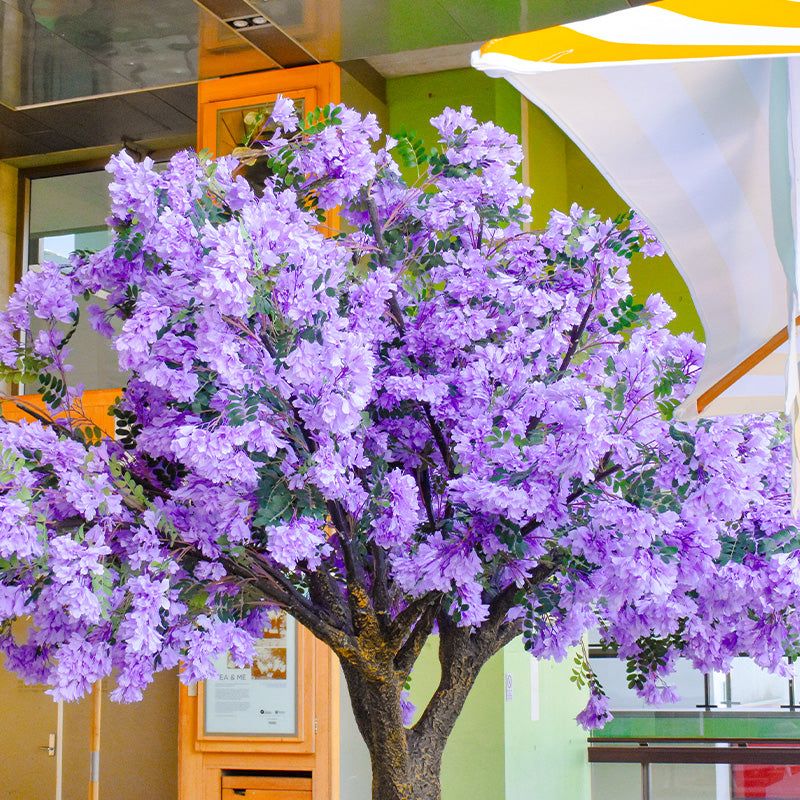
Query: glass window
{"points": [[746, 687], [68, 213], [695, 781], [616, 781]]}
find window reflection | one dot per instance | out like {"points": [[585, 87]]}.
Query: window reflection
{"points": [[746, 687], [68, 213]]}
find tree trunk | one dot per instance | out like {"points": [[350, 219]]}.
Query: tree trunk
{"points": [[406, 762], [401, 768]]}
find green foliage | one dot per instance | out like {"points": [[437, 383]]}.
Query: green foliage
{"points": [[89, 435], [27, 369], [651, 658], [583, 675], [320, 118], [127, 427], [412, 151], [52, 389], [627, 315]]}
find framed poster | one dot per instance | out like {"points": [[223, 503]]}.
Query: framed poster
{"points": [[260, 699]]}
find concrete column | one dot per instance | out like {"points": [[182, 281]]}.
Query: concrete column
{"points": [[8, 228]]}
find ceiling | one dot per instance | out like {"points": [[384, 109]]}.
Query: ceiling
{"points": [[78, 74]]}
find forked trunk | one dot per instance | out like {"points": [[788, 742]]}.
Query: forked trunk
{"points": [[402, 769], [406, 762]]}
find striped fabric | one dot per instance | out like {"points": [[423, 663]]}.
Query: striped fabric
{"points": [[687, 108]]}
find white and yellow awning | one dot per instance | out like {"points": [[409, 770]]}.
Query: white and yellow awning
{"points": [[691, 110]]}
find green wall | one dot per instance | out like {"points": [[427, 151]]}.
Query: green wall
{"points": [[545, 757], [474, 757], [414, 99], [497, 751]]}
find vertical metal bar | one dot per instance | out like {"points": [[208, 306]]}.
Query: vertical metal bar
{"points": [[792, 704], [94, 747], [707, 705], [645, 780]]}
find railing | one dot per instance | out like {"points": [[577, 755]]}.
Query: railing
{"points": [[725, 768], [680, 750]]}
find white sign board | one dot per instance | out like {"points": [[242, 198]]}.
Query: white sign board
{"points": [[261, 698]]}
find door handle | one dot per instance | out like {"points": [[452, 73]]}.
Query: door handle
{"points": [[50, 746]]}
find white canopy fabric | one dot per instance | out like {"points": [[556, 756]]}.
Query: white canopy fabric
{"points": [[691, 110]]}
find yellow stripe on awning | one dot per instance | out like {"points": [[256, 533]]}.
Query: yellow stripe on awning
{"points": [[775, 13], [564, 46], [642, 34]]}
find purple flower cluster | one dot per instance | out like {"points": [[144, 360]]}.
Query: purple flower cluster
{"points": [[435, 409]]}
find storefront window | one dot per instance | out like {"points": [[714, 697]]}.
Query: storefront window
{"points": [[68, 213]]}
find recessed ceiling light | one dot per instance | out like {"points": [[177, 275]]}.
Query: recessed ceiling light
{"points": [[240, 23]]}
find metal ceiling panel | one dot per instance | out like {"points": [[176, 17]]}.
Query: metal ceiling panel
{"points": [[58, 52], [343, 30], [168, 113], [86, 73]]}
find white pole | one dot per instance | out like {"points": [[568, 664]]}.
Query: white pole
{"points": [[60, 750]]}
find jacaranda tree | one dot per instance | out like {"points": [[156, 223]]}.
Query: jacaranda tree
{"points": [[431, 421]]}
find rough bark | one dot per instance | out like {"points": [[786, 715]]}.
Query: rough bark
{"points": [[406, 762]]}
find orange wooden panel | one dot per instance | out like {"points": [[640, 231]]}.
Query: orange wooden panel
{"points": [[94, 406], [267, 794], [266, 782], [201, 765], [318, 85]]}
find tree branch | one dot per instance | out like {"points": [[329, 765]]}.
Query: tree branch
{"points": [[405, 620], [325, 592], [380, 586], [461, 658], [377, 231], [438, 436], [604, 469], [362, 612], [574, 340], [384, 259], [275, 587], [424, 484]]}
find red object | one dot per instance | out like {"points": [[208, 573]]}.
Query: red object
{"points": [[765, 781]]}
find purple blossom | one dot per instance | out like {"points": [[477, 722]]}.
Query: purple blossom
{"points": [[596, 713], [433, 409], [45, 293], [283, 113], [403, 513], [407, 708], [302, 539]]}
